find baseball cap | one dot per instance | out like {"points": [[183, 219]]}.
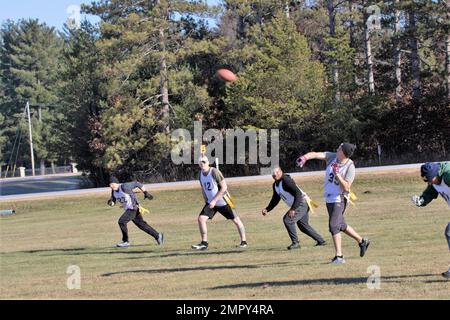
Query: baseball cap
{"points": [[113, 180], [348, 149], [429, 170]]}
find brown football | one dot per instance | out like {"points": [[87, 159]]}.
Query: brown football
{"points": [[226, 75]]}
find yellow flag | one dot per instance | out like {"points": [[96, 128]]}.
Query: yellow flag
{"points": [[351, 197], [229, 200], [311, 204], [143, 210]]}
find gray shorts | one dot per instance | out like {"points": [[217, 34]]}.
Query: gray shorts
{"points": [[336, 222]]}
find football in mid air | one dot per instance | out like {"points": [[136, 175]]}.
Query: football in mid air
{"points": [[226, 75]]}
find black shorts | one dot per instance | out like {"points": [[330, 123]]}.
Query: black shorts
{"points": [[226, 211]]}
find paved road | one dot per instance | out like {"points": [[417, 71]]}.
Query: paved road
{"points": [[194, 183], [38, 184]]}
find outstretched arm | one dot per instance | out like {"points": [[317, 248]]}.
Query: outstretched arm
{"points": [[301, 160], [426, 197], [137, 184]]}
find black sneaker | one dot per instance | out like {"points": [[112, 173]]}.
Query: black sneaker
{"points": [[446, 274], [243, 244], [363, 247], [201, 246], [294, 245], [318, 244]]}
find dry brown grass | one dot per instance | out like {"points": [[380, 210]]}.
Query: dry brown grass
{"points": [[45, 237]]}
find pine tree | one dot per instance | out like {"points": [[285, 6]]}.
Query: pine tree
{"points": [[282, 87], [81, 93], [143, 46], [30, 63]]}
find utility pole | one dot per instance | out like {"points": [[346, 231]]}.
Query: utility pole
{"points": [[31, 138]]}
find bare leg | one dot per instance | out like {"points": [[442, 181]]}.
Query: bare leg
{"points": [[240, 226], [337, 240], [352, 233], [202, 226]]}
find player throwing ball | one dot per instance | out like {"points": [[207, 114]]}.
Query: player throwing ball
{"points": [[437, 175], [214, 189], [339, 177], [124, 194]]}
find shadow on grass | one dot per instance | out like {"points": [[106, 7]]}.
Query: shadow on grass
{"points": [[77, 251], [181, 269], [437, 281], [330, 281], [50, 250], [192, 253]]}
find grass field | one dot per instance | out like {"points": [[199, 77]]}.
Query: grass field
{"points": [[44, 237]]}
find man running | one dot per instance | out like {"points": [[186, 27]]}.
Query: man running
{"points": [[339, 177], [214, 189], [437, 175], [125, 195], [285, 188]]}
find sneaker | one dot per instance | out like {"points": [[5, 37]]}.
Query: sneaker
{"points": [[243, 244], [338, 260], [160, 239], [201, 246], [446, 274], [294, 245], [363, 247], [318, 244], [123, 244]]}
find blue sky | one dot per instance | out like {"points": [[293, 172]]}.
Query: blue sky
{"points": [[52, 12]]}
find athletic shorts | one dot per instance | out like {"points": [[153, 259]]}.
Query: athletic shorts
{"points": [[226, 211], [336, 222]]}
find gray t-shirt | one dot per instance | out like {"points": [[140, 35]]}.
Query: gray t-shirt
{"points": [[350, 175]]}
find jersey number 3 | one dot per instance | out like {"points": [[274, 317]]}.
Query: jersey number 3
{"points": [[331, 178]]}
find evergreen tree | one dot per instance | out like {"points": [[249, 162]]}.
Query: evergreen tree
{"points": [[143, 46], [30, 56]]}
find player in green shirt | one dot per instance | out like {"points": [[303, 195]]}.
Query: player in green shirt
{"points": [[437, 175]]}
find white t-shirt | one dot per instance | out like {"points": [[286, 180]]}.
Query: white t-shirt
{"points": [[124, 199], [210, 187], [333, 190]]}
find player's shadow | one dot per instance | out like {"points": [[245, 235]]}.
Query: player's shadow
{"points": [[51, 250], [83, 251], [193, 253], [185, 269], [332, 281]]}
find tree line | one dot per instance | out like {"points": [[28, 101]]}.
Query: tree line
{"points": [[107, 96]]}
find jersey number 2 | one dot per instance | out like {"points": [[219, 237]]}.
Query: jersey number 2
{"points": [[207, 186]]}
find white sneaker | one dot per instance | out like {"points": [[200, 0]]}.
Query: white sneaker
{"points": [[122, 244], [201, 246], [338, 260]]}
